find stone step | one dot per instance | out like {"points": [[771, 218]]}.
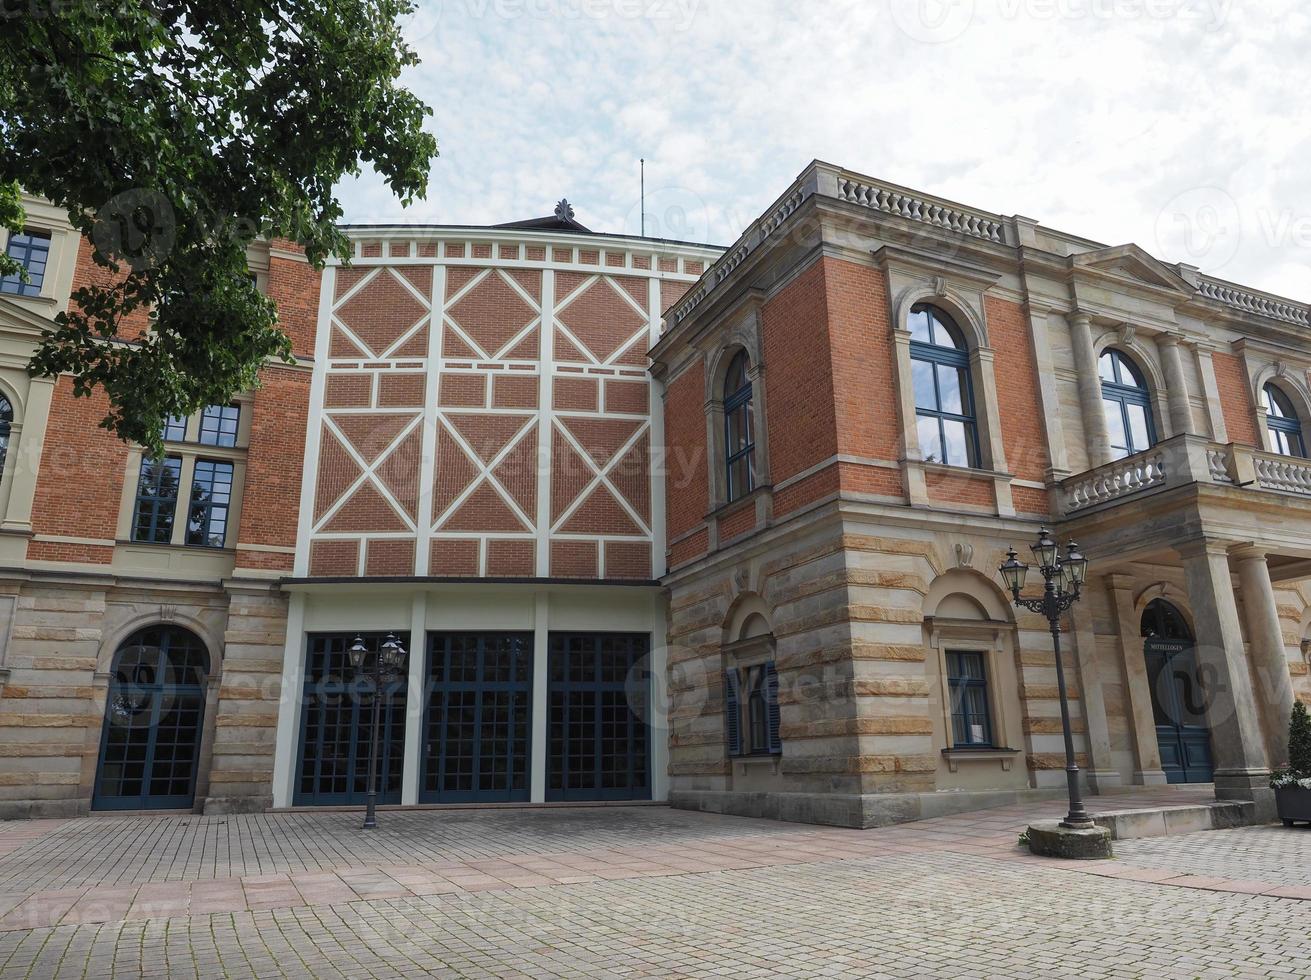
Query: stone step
{"points": [[1164, 820]]}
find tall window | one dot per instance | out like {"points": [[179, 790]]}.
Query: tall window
{"points": [[6, 427], [967, 679], [944, 400], [211, 495], [751, 717], [739, 429], [1285, 427], [1127, 404], [218, 425], [32, 250], [157, 499]]}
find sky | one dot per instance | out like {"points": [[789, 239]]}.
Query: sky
{"points": [[1183, 126]]}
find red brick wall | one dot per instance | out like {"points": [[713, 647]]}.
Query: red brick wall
{"points": [[686, 475], [270, 505], [799, 376], [294, 287], [863, 361], [1019, 404], [1240, 415], [80, 482], [960, 488]]}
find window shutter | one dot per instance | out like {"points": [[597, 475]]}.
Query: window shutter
{"points": [[772, 740], [732, 713]]}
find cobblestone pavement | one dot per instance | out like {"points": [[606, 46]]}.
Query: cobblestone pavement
{"points": [[639, 892], [1272, 853]]}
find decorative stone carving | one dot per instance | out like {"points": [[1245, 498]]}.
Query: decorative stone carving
{"points": [[964, 555]]}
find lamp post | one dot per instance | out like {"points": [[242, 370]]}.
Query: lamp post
{"points": [[1063, 577], [387, 663]]}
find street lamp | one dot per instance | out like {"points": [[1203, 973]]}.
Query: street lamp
{"points": [[1063, 577], [387, 664]]}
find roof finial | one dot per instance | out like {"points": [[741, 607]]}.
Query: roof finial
{"points": [[564, 210]]}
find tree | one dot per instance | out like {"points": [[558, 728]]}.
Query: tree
{"points": [[174, 133]]}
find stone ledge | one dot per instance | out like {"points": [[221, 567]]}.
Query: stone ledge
{"points": [[857, 810], [1165, 820]]}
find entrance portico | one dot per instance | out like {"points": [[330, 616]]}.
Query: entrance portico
{"points": [[1204, 528]]}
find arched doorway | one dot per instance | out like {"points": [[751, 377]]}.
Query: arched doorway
{"points": [[1180, 695], [153, 714]]}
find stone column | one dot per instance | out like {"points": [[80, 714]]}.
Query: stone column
{"points": [[1090, 390], [1237, 742], [917, 494], [1137, 685], [1265, 634], [1176, 386], [1102, 773]]}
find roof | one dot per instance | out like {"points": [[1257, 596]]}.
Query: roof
{"points": [[562, 220]]}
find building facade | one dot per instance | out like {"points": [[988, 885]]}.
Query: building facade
{"points": [[659, 521]]}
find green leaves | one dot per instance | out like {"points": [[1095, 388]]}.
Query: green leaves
{"points": [[175, 133]]}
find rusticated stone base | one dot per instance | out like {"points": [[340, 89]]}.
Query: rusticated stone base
{"points": [[221, 805], [1050, 839], [856, 810]]}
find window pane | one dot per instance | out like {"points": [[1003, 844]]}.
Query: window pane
{"points": [[951, 387], [1115, 427], [956, 450], [218, 425], [211, 495], [31, 249], [1106, 366], [1138, 429], [922, 379], [930, 440], [918, 324], [175, 428], [739, 429], [157, 494]]}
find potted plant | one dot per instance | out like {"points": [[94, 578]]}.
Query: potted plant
{"points": [[1292, 786]]}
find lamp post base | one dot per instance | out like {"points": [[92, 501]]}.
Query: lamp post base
{"points": [[1051, 839]]}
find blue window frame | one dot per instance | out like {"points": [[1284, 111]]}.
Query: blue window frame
{"points": [[218, 425], [1127, 404], [211, 496], [477, 729], [944, 395], [150, 742], [1282, 421], [157, 499], [598, 696], [175, 428], [6, 427], [32, 250], [967, 681], [337, 725], [751, 717], [739, 429]]}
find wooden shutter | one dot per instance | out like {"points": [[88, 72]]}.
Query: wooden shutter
{"points": [[732, 713], [772, 740]]}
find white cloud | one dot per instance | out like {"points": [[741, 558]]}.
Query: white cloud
{"points": [[1102, 118]]}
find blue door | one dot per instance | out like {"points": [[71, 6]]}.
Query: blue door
{"points": [[477, 718], [1180, 698], [337, 726], [599, 697], [151, 738]]}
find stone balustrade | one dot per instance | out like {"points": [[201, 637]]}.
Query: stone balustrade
{"points": [[1184, 460]]}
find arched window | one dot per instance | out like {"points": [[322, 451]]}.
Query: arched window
{"points": [[1285, 427], [1127, 404], [944, 397], [153, 715], [739, 429], [6, 425]]}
